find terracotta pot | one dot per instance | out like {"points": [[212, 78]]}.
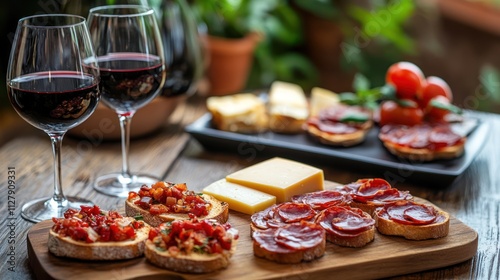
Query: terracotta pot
{"points": [[103, 124], [323, 39], [229, 63]]}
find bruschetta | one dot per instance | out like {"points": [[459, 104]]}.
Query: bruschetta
{"points": [[165, 201]]}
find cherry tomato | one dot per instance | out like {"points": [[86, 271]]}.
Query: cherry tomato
{"points": [[434, 114], [407, 78], [433, 87], [393, 113]]}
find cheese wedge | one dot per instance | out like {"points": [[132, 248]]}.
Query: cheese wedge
{"points": [[240, 198], [322, 98], [280, 177], [288, 107], [242, 112]]}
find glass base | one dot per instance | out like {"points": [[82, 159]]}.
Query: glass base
{"points": [[45, 208], [115, 184]]}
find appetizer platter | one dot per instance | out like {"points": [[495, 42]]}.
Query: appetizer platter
{"points": [[408, 124], [286, 222]]}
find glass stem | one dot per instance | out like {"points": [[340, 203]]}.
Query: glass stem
{"points": [[125, 121], [58, 197]]}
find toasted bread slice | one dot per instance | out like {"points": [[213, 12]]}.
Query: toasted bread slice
{"points": [[425, 154], [242, 113], [310, 246], [357, 227], [345, 139], [355, 242], [288, 108], [219, 212], [113, 250], [399, 140], [437, 229], [192, 263]]}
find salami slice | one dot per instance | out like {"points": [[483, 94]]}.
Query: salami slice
{"points": [[331, 127], [390, 195], [345, 221], [420, 136], [443, 136], [290, 238], [290, 212], [420, 214], [300, 236], [260, 218], [369, 189], [266, 239], [410, 213], [322, 199]]}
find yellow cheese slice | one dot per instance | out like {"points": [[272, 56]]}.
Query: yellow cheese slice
{"points": [[322, 98], [240, 198], [280, 177]]}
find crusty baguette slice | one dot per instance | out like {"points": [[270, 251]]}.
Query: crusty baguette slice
{"points": [[192, 263], [356, 241], [115, 250], [345, 140], [242, 113], [288, 108], [312, 245], [414, 232], [290, 257], [425, 154], [219, 212]]}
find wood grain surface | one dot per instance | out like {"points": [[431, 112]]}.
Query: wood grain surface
{"points": [[397, 255]]}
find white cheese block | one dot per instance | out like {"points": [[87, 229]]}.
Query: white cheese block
{"points": [[240, 198]]}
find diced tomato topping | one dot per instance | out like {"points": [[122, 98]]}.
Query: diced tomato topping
{"points": [[90, 224], [174, 198], [201, 236]]}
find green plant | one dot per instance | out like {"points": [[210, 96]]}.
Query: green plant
{"points": [[230, 18], [276, 57], [373, 31]]}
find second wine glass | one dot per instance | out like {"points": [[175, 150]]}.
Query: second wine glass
{"points": [[130, 55]]}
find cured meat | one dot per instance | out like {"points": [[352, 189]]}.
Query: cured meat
{"points": [[282, 214], [322, 199], [409, 213], [370, 187], [421, 136], [290, 238], [290, 212], [345, 221], [300, 236]]}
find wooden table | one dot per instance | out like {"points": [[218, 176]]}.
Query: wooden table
{"points": [[473, 198]]}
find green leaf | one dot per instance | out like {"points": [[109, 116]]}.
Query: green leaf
{"points": [[360, 82], [387, 91], [358, 118], [139, 217], [349, 98], [445, 106]]}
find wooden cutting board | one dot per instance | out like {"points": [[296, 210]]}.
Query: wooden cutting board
{"points": [[396, 255]]}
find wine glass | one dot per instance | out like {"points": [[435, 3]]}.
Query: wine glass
{"points": [[130, 55], [52, 83]]}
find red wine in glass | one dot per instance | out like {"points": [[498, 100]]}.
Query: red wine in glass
{"points": [[55, 101], [52, 81], [131, 60], [129, 80]]}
